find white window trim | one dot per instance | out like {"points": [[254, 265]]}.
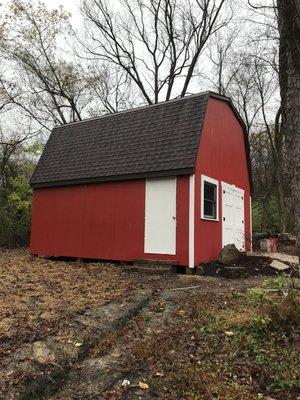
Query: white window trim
{"points": [[205, 178]]}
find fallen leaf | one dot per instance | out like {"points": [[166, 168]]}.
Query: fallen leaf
{"points": [[78, 344], [143, 385], [229, 333]]}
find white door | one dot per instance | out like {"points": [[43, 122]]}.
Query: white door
{"points": [[233, 226], [160, 216]]}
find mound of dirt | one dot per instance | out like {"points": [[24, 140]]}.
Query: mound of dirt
{"points": [[255, 265]]}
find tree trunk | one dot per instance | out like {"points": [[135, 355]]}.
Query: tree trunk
{"points": [[280, 200], [289, 74]]}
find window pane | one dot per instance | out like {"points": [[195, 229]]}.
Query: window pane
{"points": [[209, 209], [210, 200], [209, 191]]}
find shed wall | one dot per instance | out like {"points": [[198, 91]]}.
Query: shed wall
{"points": [[102, 221], [222, 156]]}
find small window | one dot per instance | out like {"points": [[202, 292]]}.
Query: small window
{"points": [[210, 200], [209, 196]]}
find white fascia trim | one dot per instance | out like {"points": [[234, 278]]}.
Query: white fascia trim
{"points": [[192, 222], [205, 178]]}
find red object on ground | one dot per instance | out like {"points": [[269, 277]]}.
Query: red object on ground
{"points": [[269, 244], [273, 244]]}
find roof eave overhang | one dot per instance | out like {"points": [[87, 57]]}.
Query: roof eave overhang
{"points": [[142, 175]]}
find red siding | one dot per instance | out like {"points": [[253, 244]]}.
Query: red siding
{"points": [[103, 221], [106, 220], [222, 156]]}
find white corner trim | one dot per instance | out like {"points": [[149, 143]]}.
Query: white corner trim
{"points": [[192, 222], [205, 178]]}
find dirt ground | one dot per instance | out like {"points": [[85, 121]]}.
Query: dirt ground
{"points": [[73, 330], [35, 294]]}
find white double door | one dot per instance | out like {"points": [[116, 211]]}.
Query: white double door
{"points": [[233, 223]]}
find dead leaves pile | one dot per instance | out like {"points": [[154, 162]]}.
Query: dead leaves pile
{"points": [[36, 294]]}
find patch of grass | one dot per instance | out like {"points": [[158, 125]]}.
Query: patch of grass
{"points": [[226, 348], [284, 283]]}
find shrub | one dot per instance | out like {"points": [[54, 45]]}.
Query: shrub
{"points": [[284, 314], [15, 213]]}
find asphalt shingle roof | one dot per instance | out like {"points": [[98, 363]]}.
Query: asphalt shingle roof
{"points": [[161, 139]]}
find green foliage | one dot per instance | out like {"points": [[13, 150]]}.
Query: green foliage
{"points": [[243, 348], [15, 212], [271, 217], [282, 281], [256, 216], [257, 294], [271, 221], [265, 339]]}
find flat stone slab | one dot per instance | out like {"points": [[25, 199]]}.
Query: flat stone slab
{"points": [[292, 260], [279, 265]]}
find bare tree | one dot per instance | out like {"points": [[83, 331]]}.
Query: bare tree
{"points": [[111, 89], [225, 63], [157, 43], [250, 77], [266, 86], [233, 74], [46, 86]]}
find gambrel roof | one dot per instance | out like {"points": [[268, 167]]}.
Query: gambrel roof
{"points": [[156, 140]]}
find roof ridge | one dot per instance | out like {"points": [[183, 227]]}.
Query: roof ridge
{"points": [[177, 99]]}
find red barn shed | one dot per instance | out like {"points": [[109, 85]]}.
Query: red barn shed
{"points": [[169, 181]]}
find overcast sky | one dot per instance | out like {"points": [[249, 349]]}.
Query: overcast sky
{"points": [[205, 80], [69, 5]]}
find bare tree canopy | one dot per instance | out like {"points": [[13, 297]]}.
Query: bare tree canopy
{"points": [[42, 81], [156, 43]]}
